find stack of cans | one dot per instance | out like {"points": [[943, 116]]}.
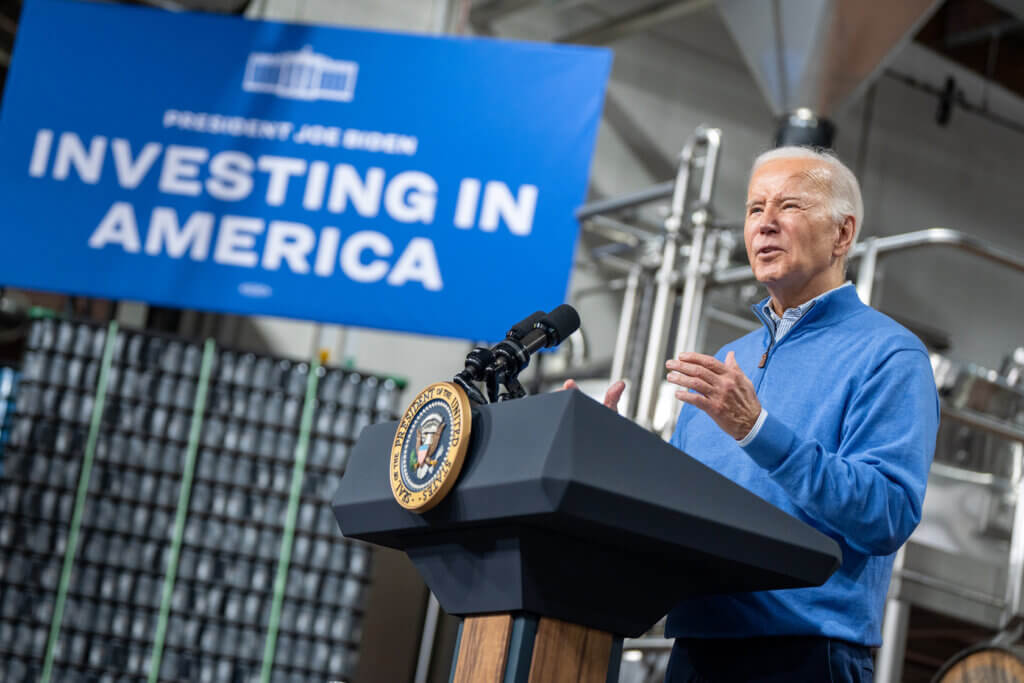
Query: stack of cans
{"points": [[231, 549], [8, 388]]}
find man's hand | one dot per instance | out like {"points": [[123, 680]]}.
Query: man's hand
{"points": [[611, 397], [719, 389]]}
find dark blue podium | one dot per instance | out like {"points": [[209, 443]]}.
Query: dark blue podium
{"points": [[569, 528]]}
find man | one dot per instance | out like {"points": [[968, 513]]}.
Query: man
{"points": [[829, 412]]}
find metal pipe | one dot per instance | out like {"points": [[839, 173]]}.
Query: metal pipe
{"points": [[910, 576], [1015, 566], [604, 288], [648, 643], [639, 337], [592, 370], [986, 479], [427, 640], [622, 338], [664, 297], [617, 231], [693, 292], [954, 238], [692, 303], [866, 272], [889, 661], [645, 196], [984, 422], [607, 251], [707, 186], [664, 300], [689, 315], [606, 261]]}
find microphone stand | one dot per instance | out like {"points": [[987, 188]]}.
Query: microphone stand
{"points": [[501, 365], [481, 366], [477, 363]]}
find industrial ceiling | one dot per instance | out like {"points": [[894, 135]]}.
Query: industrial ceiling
{"points": [[983, 36]]}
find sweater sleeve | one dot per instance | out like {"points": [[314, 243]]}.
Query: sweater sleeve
{"points": [[870, 492]]}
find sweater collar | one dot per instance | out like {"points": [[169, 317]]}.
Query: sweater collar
{"points": [[829, 307]]}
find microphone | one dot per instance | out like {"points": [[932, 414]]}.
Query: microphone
{"points": [[551, 329], [480, 358], [520, 329], [513, 355], [504, 361]]}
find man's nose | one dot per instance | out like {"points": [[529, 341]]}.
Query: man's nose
{"points": [[767, 221]]}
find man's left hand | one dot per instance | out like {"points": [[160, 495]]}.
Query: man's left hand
{"points": [[719, 389]]}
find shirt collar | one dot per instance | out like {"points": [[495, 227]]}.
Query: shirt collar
{"points": [[798, 311]]}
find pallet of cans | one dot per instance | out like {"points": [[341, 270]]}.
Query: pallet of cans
{"points": [[196, 504], [8, 388]]}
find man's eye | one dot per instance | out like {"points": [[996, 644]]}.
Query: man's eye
{"points": [[753, 210]]}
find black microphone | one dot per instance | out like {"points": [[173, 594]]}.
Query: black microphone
{"points": [[520, 329], [513, 355], [551, 329], [481, 358], [502, 363]]}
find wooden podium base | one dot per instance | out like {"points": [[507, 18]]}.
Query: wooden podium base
{"points": [[505, 648]]}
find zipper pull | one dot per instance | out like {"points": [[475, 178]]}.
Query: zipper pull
{"points": [[764, 359]]}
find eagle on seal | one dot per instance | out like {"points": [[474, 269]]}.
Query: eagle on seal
{"points": [[428, 438]]}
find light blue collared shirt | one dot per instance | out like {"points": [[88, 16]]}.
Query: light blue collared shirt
{"points": [[782, 327]]}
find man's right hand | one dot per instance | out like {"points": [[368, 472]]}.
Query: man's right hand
{"points": [[611, 397]]}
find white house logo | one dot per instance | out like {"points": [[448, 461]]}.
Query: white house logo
{"points": [[302, 75]]}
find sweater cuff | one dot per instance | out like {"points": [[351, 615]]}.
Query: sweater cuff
{"points": [[771, 444], [753, 430]]}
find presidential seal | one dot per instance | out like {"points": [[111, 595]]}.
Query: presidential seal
{"points": [[430, 446]]}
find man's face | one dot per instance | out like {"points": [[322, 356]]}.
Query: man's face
{"points": [[789, 230]]}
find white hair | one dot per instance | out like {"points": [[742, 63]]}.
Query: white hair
{"points": [[843, 189]]}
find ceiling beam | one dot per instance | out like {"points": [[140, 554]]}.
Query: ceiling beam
{"points": [[489, 11], [643, 19]]}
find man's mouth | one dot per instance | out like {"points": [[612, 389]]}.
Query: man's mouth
{"points": [[768, 251]]}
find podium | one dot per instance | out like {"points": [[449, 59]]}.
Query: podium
{"points": [[569, 528]]}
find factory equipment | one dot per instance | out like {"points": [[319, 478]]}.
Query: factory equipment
{"points": [[811, 57]]}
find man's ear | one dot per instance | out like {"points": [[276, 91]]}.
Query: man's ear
{"points": [[847, 230]]}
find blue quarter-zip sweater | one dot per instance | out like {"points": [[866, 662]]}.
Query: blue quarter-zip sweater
{"points": [[846, 446]]}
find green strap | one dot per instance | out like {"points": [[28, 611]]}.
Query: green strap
{"points": [[199, 405], [80, 494], [301, 448]]}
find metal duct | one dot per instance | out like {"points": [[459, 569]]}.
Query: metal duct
{"points": [[819, 54]]}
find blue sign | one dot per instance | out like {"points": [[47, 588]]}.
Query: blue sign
{"points": [[201, 161]]}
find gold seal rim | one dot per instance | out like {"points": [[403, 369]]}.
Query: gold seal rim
{"points": [[421, 501]]}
